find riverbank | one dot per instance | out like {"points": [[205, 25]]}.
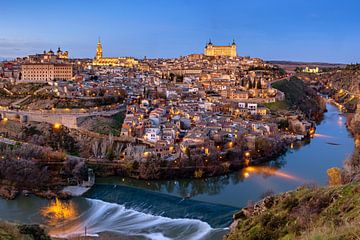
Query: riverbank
{"points": [[9, 231], [306, 213], [182, 201]]}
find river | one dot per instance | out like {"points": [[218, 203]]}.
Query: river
{"points": [[186, 209]]}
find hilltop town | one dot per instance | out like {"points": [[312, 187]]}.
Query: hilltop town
{"points": [[192, 116]]}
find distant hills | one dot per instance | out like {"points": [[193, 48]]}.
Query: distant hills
{"points": [[291, 66]]}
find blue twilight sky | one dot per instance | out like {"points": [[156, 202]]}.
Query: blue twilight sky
{"points": [[304, 30]]}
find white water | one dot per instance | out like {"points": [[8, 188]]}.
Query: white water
{"points": [[110, 217]]}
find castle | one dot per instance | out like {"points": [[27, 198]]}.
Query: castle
{"points": [[99, 60], [212, 50]]}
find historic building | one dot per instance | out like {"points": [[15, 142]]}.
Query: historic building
{"points": [[44, 72], [49, 57], [62, 54], [99, 60], [212, 50]]}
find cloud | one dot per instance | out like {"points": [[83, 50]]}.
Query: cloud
{"points": [[12, 47]]}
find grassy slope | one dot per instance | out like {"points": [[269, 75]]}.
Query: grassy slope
{"points": [[277, 106], [312, 214]]}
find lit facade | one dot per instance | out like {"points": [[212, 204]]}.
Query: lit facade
{"points": [[99, 60], [50, 57], [311, 70], [212, 50], [43, 72]]}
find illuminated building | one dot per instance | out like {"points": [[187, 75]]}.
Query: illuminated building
{"points": [[50, 57], [212, 50], [99, 60], [311, 70], [62, 55], [44, 72]]}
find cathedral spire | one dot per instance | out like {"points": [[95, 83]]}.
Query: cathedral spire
{"points": [[98, 50]]}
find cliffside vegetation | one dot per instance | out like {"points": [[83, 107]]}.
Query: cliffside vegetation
{"points": [[9, 231], [306, 213], [299, 96]]}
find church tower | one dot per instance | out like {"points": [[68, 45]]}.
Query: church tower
{"points": [[99, 50]]}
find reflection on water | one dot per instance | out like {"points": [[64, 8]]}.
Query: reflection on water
{"points": [[187, 208], [58, 211], [269, 171], [318, 135], [305, 162], [101, 216]]}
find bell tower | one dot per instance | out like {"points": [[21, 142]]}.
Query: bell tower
{"points": [[98, 50]]}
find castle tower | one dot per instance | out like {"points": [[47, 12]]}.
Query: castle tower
{"points": [[99, 50]]}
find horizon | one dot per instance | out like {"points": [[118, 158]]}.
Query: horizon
{"points": [[323, 31]]}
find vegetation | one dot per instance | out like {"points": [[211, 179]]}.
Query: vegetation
{"points": [[10, 231], [299, 96], [307, 213], [105, 125], [277, 106]]}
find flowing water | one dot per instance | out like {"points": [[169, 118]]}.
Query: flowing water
{"points": [[186, 209]]}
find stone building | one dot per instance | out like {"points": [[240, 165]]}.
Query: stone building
{"points": [[212, 50], [99, 60], [44, 72]]}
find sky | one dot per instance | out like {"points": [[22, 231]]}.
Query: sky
{"points": [[297, 30]]}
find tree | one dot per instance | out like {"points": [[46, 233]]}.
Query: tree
{"points": [[251, 84], [258, 86], [150, 169]]}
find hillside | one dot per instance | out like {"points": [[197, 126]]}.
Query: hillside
{"points": [[10, 231], [299, 96], [306, 213]]}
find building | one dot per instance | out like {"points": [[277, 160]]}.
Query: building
{"points": [[311, 70], [99, 60], [212, 50], [49, 57], [44, 72], [62, 55]]}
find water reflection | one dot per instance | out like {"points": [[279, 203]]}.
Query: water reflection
{"points": [[322, 135], [211, 186], [268, 171], [59, 212]]}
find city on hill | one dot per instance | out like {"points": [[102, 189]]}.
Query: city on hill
{"points": [[66, 121]]}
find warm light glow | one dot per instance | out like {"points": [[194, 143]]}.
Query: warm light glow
{"points": [[57, 126], [207, 152], [322, 135], [5, 119], [312, 131], [59, 211], [247, 154], [270, 171]]}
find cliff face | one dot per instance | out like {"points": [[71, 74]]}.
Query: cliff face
{"points": [[322, 213], [348, 79]]}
